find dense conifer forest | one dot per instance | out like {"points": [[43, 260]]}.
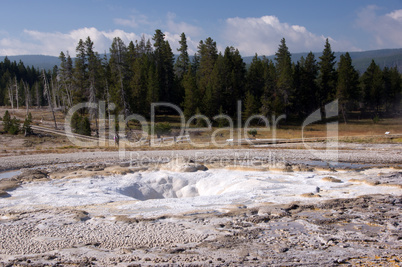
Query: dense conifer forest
{"points": [[134, 75]]}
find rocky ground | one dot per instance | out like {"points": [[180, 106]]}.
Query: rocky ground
{"points": [[360, 231], [363, 231]]}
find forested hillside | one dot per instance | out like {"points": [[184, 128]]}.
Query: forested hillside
{"points": [[37, 61], [361, 60], [134, 75]]}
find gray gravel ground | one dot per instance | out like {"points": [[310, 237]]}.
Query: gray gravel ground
{"points": [[351, 153]]}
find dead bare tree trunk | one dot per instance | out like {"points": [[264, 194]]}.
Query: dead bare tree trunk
{"points": [[92, 98], [48, 96], [16, 92], [107, 98], [53, 90], [27, 96], [343, 113], [37, 95], [11, 94], [69, 95]]}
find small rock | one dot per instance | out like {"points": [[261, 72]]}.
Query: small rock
{"points": [[310, 195], [4, 193], [331, 179], [282, 249]]}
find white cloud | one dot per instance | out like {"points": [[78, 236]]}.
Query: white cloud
{"points": [[52, 43], [385, 29], [171, 28], [11, 46], [174, 38], [262, 35], [396, 15]]}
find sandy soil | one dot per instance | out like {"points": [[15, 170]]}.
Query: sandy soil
{"points": [[315, 230]]}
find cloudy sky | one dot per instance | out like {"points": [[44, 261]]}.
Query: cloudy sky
{"points": [[48, 26]]}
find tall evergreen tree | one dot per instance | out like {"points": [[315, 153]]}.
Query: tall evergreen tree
{"points": [[250, 106], [94, 77], [183, 60], [269, 91], [255, 77], [392, 89], [152, 86], [305, 75], [80, 74], [66, 79], [234, 80], [118, 69], [139, 85], [208, 55], [164, 59], [372, 83], [180, 69], [283, 65], [214, 93], [327, 77], [348, 83], [191, 94]]}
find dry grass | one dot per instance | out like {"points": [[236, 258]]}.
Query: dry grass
{"points": [[361, 131]]}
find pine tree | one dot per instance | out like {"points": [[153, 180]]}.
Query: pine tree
{"points": [[27, 125], [152, 86], [118, 71], [310, 70], [283, 65], [183, 60], [348, 83], [305, 75], [95, 81], [164, 59], [372, 83], [214, 93], [208, 55], [10, 125], [191, 94], [255, 77], [392, 88], [250, 106], [139, 85], [327, 78], [6, 121], [268, 94], [233, 79], [80, 72], [66, 78]]}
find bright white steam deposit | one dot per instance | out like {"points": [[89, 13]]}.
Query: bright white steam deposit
{"points": [[166, 192]]}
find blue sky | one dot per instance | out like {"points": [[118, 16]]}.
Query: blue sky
{"points": [[49, 26]]}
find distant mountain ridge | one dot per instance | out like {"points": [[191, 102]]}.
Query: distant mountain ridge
{"points": [[37, 61], [361, 60]]}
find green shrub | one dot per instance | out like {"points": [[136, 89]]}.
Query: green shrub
{"points": [[252, 132], [6, 121], [11, 126], [80, 124], [376, 119], [161, 128], [15, 126], [26, 127], [85, 126]]}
